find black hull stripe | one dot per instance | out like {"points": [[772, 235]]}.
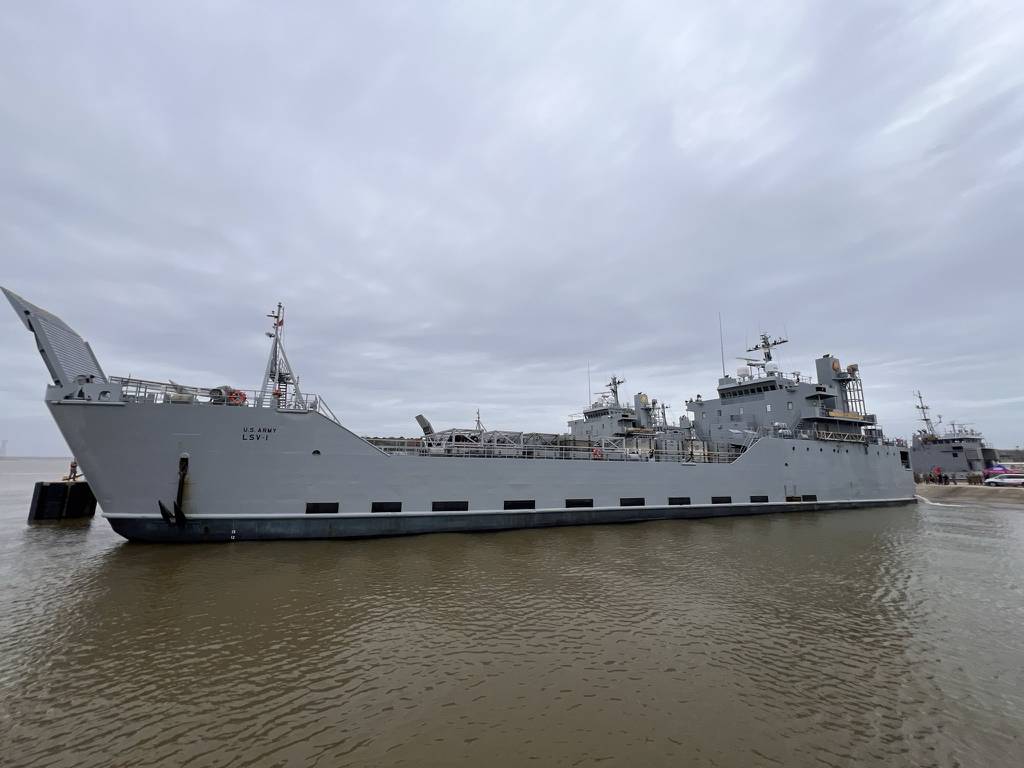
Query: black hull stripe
{"points": [[210, 529]]}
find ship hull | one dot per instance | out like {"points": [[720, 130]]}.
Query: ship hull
{"points": [[172, 463], [252, 474]]}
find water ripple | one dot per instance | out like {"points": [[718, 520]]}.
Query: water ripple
{"points": [[870, 637]]}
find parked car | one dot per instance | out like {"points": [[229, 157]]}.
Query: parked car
{"points": [[1005, 480]]}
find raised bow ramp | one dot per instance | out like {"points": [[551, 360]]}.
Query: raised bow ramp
{"points": [[66, 354]]}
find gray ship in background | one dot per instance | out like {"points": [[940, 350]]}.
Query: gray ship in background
{"points": [[173, 463], [958, 452]]}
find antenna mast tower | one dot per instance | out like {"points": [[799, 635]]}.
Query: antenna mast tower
{"points": [[278, 375], [929, 428]]}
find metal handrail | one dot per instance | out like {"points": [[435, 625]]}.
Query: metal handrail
{"points": [[143, 390], [416, 447]]}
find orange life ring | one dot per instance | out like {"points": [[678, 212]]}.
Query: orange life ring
{"points": [[236, 397], [597, 453]]}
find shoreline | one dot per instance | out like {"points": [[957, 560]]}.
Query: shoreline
{"points": [[982, 493]]}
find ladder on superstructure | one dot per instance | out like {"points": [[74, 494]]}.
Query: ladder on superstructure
{"points": [[278, 376]]}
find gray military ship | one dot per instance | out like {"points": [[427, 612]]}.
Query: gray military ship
{"points": [[173, 463], [957, 451]]}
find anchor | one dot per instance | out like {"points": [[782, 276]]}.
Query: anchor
{"points": [[178, 517]]}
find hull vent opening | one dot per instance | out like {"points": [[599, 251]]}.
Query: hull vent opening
{"points": [[576, 503], [449, 506], [321, 507], [520, 504]]}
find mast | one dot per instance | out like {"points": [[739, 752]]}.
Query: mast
{"points": [[721, 343], [278, 375], [929, 428], [766, 345], [613, 387]]}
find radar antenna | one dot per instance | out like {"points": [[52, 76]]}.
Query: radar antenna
{"points": [[766, 345], [278, 375], [752, 362]]}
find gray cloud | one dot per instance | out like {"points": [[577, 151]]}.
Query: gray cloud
{"points": [[461, 206]]}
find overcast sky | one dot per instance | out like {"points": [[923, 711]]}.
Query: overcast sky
{"points": [[462, 204]]}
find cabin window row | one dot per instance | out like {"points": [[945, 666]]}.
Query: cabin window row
{"points": [[750, 391], [332, 507]]}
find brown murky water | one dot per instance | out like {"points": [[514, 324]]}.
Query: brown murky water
{"points": [[870, 637]]}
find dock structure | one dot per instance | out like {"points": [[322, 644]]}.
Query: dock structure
{"points": [[62, 500]]}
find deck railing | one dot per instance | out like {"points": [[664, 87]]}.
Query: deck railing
{"points": [[611, 449], [415, 447], [142, 390]]}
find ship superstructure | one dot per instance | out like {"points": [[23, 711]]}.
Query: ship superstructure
{"points": [[606, 430], [957, 451], [174, 463], [760, 399]]}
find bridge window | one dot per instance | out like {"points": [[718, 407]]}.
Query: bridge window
{"points": [[386, 506]]}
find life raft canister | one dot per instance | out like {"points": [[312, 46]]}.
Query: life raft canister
{"points": [[597, 453], [236, 397]]}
